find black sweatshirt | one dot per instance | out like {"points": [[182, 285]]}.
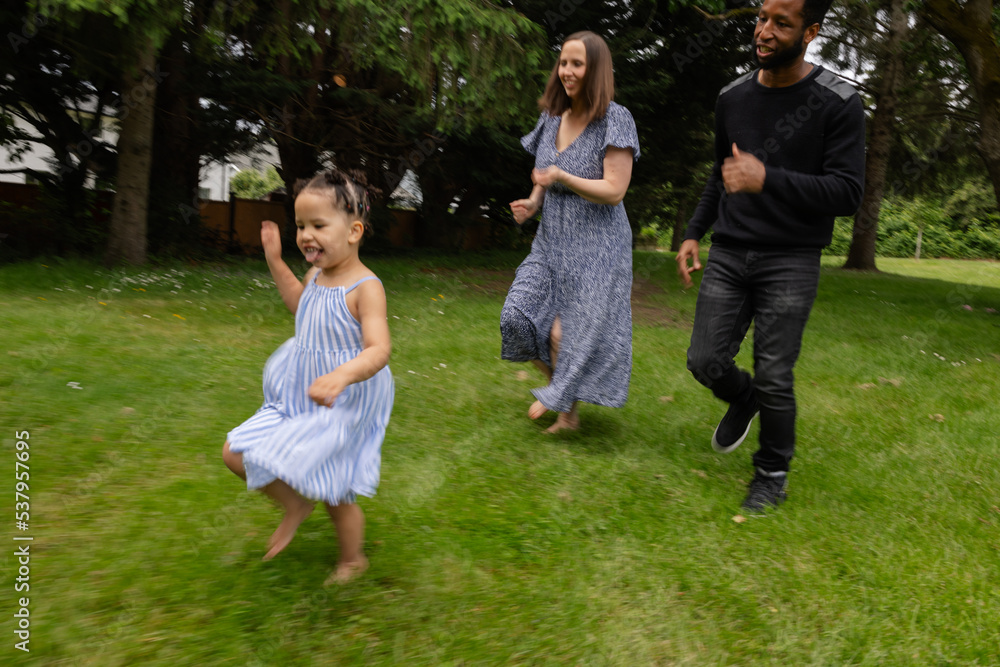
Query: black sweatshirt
{"points": [[810, 137]]}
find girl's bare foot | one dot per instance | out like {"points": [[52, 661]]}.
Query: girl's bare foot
{"points": [[569, 421], [347, 571], [537, 410], [282, 537]]}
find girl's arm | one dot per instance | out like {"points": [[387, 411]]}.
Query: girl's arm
{"points": [[526, 208], [288, 285], [375, 332], [608, 190]]}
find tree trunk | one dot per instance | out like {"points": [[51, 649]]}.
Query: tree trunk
{"points": [[174, 217], [969, 27], [135, 151], [298, 161], [436, 226], [861, 255], [294, 133], [680, 226]]}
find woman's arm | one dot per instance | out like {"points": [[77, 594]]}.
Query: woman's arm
{"points": [[608, 190], [289, 286], [374, 356]]}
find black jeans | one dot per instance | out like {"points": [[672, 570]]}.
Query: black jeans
{"points": [[775, 289]]}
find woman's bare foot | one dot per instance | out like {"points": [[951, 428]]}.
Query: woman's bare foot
{"points": [[568, 421], [537, 410], [347, 571], [282, 537]]}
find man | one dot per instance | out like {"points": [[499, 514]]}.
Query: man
{"points": [[789, 156]]}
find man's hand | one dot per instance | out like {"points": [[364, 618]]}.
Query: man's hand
{"points": [[743, 173], [689, 250]]}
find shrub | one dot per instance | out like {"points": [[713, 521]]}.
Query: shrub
{"points": [[972, 203], [251, 184], [944, 228]]}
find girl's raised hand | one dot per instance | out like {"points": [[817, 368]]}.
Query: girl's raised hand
{"points": [[326, 388], [270, 238]]}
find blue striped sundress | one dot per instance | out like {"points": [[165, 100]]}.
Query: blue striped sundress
{"points": [[334, 453]]}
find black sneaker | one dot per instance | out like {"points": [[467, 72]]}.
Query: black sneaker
{"points": [[735, 425], [767, 491]]}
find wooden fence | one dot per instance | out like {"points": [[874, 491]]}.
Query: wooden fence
{"points": [[237, 222], [235, 225]]}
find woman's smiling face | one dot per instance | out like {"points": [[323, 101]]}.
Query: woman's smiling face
{"points": [[573, 67]]}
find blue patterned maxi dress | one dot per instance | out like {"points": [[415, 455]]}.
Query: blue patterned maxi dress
{"points": [[579, 268], [332, 454]]}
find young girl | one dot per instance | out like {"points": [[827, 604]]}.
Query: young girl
{"points": [[328, 391]]}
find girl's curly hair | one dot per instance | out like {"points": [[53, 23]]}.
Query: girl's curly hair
{"points": [[348, 190]]}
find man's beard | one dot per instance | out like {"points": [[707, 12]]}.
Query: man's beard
{"points": [[784, 56]]}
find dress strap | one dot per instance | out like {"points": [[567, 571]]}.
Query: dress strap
{"points": [[359, 282]]}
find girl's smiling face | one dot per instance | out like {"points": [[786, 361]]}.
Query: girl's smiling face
{"points": [[326, 235]]}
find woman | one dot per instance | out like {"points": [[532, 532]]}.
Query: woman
{"points": [[568, 310]]}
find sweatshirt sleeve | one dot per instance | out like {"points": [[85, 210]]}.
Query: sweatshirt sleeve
{"points": [[840, 186], [707, 211]]}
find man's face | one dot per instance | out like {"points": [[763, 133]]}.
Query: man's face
{"points": [[779, 38]]}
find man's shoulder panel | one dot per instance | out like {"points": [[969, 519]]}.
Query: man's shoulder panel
{"points": [[743, 79], [836, 85]]}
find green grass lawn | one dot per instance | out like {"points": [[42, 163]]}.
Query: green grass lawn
{"points": [[492, 543]]}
